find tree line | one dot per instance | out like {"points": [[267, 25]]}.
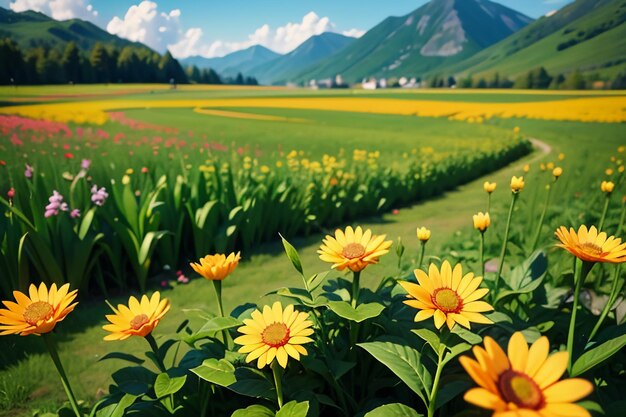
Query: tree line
{"points": [[537, 78], [102, 64]]}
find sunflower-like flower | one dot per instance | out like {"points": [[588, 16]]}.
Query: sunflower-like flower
{"points": [[275, 334], [38, 312], [517, 184], [353, 249], [489, 187], [139, 318], [607, 187], [423, 234], [481, 221], [448, 296], [216, 267], [591, 246], [526, 383]]}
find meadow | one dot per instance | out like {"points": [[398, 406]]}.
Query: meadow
{"points": [[388, 161]]}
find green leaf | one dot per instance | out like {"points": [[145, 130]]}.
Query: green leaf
{"points": [[405, 362], [119, 409], [393, 410], [216, 371], [526, 277], [294, 409], [429, 337], [449, 391], [361, 313], [468, 336], [166, 385], [254, 411], [293, 256], [212, 326], [316, 280], [597, 355], [122, 356], [134, 380]]}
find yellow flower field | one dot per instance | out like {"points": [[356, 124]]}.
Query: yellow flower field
{"points": [[605, 109]]}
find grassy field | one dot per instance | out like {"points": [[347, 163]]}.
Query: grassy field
{"points": [[27, 379]]}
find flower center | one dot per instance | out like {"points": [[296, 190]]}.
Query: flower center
{"points": [[138, 321], [447, 300], [353, 250], [520, 389], [591, 247], [276, 335], [37, 312]]}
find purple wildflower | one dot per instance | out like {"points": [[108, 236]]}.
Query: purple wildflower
{"points": [[75, 213], [99, 196], [84, 165], [56, 205], [29, 171]]}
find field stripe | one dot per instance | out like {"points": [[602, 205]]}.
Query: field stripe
{"points": [[251, 116]]}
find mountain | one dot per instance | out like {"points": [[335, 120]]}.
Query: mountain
{"points": [[310, 52], [32, 29], [239, 61], [437, 34], [587, 35]]}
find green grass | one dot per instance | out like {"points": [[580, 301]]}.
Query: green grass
{"points": [[27, 377], [29, 374]]}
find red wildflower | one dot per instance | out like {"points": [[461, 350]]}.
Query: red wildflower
{"points": [[69, 155]]}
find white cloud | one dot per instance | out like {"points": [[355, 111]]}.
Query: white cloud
{"points": [[353, 33], [144, 23], [160, 30], [283, 39], [57, 9]]}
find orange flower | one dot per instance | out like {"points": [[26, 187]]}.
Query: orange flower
{"points": [[216, 267], [136, 319], [39, 313], [591, 246]]}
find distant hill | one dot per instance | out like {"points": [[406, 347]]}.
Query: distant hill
{"points": [[285, 68], [437, 34], [240, 61], [33, 29], [587, 35]]}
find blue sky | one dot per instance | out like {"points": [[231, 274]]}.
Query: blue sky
{"points": [[213, 28]]}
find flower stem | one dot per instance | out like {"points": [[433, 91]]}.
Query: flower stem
{"points": [[433, 394], [218, 293], [155, 350], [54, 354], [482, 254], [356, 288], [541, 219], [488, 202], [615, 290], [604, 211], [582, 269], [277, 371], [504, 245], [421, 258]]}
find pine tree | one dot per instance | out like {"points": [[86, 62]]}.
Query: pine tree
{"points": [[71, 63]]}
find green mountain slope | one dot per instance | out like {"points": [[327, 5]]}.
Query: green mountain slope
{"points": [[439, 33], [587, 35], [313, 50], [240, 61], [32, 29]]}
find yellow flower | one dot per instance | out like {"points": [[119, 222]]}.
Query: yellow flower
{"points": [[620, 169], [526, 168], [265, 169], [125, 180], [621, 149], [353, 249], [423, 234], [608, 172], [136, 319], [517, 184], [38, 312], [481, 221], [216, 267], [448, 296], [607, 187], [516, 129], [524, 383], [542, 166], [557, 172], [275, 334], [489, 187], [550, 165], [591, 246], [129, 171], [561, 156]]}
